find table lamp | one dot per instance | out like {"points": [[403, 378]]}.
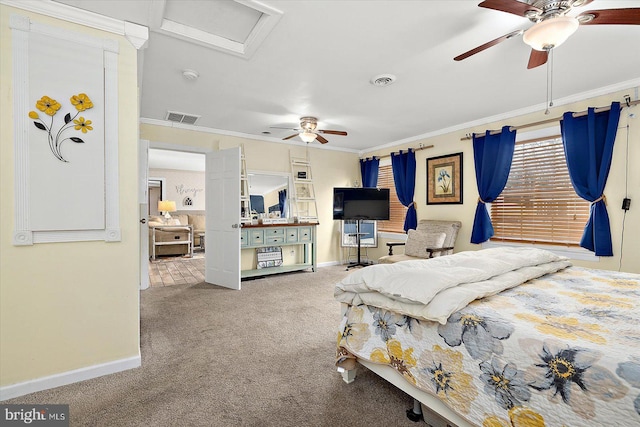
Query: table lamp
{"points": [[166, 206]]}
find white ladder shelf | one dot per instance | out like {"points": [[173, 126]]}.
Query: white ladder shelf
{"points": [[303, 201]]}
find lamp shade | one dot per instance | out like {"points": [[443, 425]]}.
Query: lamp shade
{"points": [[307, 136], [166, 206], [550, 33]]}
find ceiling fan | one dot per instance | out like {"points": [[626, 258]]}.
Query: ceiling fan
{"points": [[552, 25], [308, 131]]}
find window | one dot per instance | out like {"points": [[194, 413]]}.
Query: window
{"points": [[397, 212], [539, 204]]}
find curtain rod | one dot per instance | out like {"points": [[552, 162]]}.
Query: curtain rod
{"points": [[414, 149], [627, 103]]}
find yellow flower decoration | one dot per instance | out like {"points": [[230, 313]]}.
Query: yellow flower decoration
{"points": [[82, 124], [47, 105], [81, 102], [55, 139]]}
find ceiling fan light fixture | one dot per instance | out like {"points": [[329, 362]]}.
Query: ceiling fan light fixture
{"points": [[550, 33], [308, 136]]}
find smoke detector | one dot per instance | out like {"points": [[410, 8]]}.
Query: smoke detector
{"points": [[190, 74], [383, 80]]}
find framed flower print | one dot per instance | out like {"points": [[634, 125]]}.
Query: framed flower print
{"points": [[444, 179]]}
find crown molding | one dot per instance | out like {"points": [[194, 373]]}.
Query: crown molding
{"points": [[203, 129], [136, 34], [629, 84]]}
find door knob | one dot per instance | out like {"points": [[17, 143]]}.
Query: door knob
{"points": [[235, 225], [143, 221]]}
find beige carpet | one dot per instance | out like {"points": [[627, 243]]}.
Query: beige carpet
{"points": [[262, 356]]}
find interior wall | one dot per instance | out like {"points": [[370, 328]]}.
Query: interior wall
{"points": [[330, 169], [620, 178], [68, 306], [181, 184]]}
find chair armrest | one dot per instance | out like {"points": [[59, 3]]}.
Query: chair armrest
{"points": [[430, 251], [392, 244]]}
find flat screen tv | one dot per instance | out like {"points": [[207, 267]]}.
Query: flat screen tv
{"points": [[361, 203]]}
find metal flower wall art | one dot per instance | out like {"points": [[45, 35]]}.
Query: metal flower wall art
{"points": [[50, 107]]}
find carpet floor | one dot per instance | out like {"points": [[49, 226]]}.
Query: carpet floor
{"points": [[262, 356]]}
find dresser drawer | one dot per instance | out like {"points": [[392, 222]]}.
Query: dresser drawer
{"points": [[256, 237], [244, 238], [292, 235], [270, 232], [304, 234], [274, 239]]}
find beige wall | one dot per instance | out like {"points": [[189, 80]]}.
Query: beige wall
{"points": [[451, 143], [181, 184], [330, 169], [63, 306]]}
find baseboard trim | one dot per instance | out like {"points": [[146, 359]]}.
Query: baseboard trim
{"points": [[69, 377], [329, 263]]}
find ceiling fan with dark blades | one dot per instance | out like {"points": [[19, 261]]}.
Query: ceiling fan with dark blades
{"points": [[308, 131], [552, 25]]}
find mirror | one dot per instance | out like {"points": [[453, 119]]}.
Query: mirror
{"points": [[264, 191]]}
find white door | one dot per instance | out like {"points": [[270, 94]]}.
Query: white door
{"points": [[143, 172], [222, 237]]}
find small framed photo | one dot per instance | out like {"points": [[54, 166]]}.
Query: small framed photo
{"points": [[444, 179], [302, 174]]}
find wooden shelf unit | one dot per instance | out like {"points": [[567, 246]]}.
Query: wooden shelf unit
{"points": [[264, 235]]}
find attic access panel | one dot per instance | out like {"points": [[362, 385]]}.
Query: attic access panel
{"points": [[227, 19], [237, 27]]}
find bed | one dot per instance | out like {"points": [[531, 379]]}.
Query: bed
{"points": [[499, 337]]}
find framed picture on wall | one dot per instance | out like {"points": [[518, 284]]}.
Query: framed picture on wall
{"points": [[444, 179]]}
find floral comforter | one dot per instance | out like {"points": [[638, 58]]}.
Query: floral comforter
{"points": [[560, 350]]}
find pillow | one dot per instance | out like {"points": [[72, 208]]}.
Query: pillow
{"points": [[419, 241], [198, 221], [182, 219]]}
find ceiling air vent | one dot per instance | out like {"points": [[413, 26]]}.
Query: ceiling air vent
{"points": [[174, 116], [383, 80]]}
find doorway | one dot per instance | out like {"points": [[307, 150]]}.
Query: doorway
{"points": [[175, 173], [155, 193]]}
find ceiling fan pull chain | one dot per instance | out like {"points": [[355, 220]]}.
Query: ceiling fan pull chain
{"points": [[549, 81]]}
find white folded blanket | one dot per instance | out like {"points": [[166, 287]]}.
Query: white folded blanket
{"points": [[433, 289]]}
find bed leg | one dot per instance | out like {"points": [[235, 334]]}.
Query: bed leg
{"points": [[415, 414], [348, 376]]}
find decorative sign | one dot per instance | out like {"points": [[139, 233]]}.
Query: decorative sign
{"points": [[269, 257]]}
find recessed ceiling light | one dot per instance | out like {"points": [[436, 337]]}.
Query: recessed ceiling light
{"points": [[383, 80]]}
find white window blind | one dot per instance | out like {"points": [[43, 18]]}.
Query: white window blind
{"points": [[539, 204], [397, 212]]}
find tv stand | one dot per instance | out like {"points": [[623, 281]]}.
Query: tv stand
{"points": [[358, 262]]}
